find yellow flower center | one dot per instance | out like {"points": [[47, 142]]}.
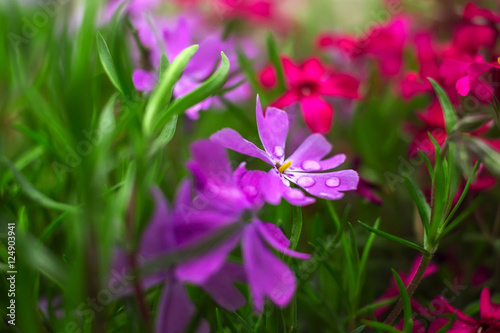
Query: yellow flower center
{"points": [[285, 166]]}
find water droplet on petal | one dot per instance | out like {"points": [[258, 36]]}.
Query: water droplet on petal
{"points": [[279, 151], [295, 193], [311, 165], [305, 181], [333, 182], [250, 190]]}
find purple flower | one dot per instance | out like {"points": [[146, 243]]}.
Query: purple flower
{"points": [[169, 230], [234, 194], [171, 37], [303, 168], [221, 197]]}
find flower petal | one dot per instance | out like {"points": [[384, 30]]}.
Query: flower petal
{"points": [[312, 69], [267, 275], [199, 269], [342, 85], [292, 71], [221, 286], [287, 99], [317, 114], [328, 185], [313, 148], [176, 310], [277, 239], [273, 130], [143, 80], [231, 139], [462, 85]]}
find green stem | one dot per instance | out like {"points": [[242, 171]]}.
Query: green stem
{"points": [[412, 286]]}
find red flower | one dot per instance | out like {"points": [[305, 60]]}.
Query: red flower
{"points": [[308, 84], [488, 323], [384, 44]]}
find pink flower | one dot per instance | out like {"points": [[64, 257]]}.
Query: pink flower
{"points": [[489, 321], [306, 167], [384, 44], [308, 84]]}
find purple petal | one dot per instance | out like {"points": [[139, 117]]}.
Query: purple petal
{"points": [[231, 139], [178, 39], [297, 197], [175, 310], [144, 81], [332, 162], [250, 183], [199, 269], [273, 129], [275, 237], [328, 185], [221, 286], [267, 275], [307, 157], [272, 187], [212, 161]]}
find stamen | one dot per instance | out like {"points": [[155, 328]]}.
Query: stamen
{"points": [[285, 166], [498, 60]]}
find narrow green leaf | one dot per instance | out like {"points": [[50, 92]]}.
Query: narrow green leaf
{"points": [[160, 97], [366, 253], [296, 227], [165, 136], [205, 90], [164, 63], [41, 259], [394, 238], [32, 192], [275, 59], [382, 326], [219, 320], [450, 117], [438, 195], [359, 329], [405, 298], [423, 207], [484, 152], [107, 63], [427, 163]]}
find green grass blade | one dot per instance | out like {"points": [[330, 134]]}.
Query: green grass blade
{"points": [[395, 238]]}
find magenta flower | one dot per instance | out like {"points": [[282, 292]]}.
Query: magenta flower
{"points": [[384, 44], [222, 197], [173, 37], [393, 291], [489, 321], [234, 194], [180, 228], [308, 84], [302, 168]]}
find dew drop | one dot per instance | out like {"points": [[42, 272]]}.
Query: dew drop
{"points": [[333, 182], [279, 151], [305, 181], [311, 165]]}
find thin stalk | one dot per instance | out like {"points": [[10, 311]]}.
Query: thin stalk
{"points": [[132, 260], [424, 263]]}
